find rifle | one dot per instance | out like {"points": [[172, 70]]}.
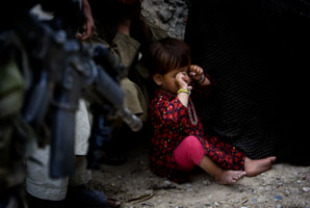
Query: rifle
{"points": [[64, 71]]}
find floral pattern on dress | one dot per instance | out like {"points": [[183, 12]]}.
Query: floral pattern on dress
{"points": [[171, 123]]}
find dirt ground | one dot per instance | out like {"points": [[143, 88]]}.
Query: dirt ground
{"points": [[285, 186]]}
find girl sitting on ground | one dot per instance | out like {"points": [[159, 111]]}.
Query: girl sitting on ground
{"points": [[179, 142]]}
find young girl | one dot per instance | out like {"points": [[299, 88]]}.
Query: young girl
{"points": [[178, 142]]}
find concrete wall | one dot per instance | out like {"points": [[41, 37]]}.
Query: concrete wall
{"points": [[171, 15]]}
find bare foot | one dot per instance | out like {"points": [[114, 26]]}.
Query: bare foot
{"points": [[256, 167], [229, 176]]}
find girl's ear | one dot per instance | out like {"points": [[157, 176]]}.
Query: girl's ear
{"points": [[158, 79]]}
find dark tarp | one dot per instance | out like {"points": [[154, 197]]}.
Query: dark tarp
{"points": [[258, 52]]}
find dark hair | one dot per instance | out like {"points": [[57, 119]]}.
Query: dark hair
{"points": [[167, 54]]}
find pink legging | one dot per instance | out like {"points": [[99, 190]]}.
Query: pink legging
{"points": [[189, 153]]}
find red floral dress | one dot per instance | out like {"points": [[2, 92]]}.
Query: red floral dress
{"points": [[172, 122]]}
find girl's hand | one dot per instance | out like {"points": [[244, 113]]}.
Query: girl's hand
{"points": [[182, 80], [196, 72]]}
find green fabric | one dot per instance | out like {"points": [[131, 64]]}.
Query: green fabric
{"points": [[11, 100], [11, 89], [126, 47]]}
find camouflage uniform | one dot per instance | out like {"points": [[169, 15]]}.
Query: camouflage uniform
{"points": [[13, 131]]}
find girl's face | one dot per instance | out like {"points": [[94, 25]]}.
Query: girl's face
{"points": [[168, 81]]}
